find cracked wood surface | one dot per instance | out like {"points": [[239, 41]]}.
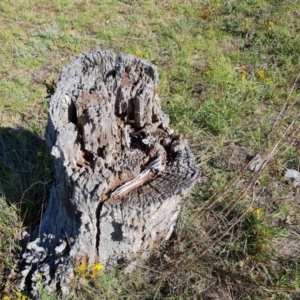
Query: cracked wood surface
{"points": [[120, 172]]}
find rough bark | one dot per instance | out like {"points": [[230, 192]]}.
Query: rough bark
{"points": [[120, 172]]}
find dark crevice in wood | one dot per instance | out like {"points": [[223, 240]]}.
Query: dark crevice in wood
{"points": [[111, 73], [58, 289], [72, 113], [100, 151], [98, 216], [28, 279], [88, 158]]}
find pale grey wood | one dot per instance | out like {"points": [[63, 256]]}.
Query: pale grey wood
{"points": [[120, 172]]}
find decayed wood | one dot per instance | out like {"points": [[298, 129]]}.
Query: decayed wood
{"points": [[120, 172]]}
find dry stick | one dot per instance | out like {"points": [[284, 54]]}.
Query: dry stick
{"points": [[222, 193], [238, 196], [285, 133], [44, 183], [252, 183], [273, 131], [274, 128], [244, 190], [218, 195], [293, 139], [234, 200], [241, 172], [201, 212]]}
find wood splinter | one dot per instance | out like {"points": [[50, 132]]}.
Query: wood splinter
{"points": [[154, 167]]}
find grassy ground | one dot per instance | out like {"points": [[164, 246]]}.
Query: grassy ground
{"points": [[227, 80]]}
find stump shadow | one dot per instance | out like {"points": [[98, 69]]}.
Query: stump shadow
{"points": [[25, 172]]}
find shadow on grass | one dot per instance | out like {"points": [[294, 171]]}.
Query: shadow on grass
{"points": [[25, 172]]}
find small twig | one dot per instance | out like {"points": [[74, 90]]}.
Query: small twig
{"points": [[224, 191], [44, 183], [274, 127]]}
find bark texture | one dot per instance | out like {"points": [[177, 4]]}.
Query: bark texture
{"points": [[120, 172]]}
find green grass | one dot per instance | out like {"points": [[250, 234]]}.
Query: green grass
{"points": [[226, 70]]}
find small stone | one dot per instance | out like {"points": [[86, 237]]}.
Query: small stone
{"points": [[257, 162], [293, 175]]}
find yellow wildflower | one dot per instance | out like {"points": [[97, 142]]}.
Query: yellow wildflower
{"points": [[76, 50], [261, 74], [39, 277], [244, 74], [271, 24], [96, 269], [81, 270], [22, 297], [5, 298], [250, 210], [207, 73], [267, 80], [258, 212], [139, 53], [40, 153]]}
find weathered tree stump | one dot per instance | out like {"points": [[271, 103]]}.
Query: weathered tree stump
{"points": [[120, 172]]}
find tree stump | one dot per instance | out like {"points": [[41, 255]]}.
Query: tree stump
{"points": [[120, 172]]}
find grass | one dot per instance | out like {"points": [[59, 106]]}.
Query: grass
{"points": [[227, 70]]}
